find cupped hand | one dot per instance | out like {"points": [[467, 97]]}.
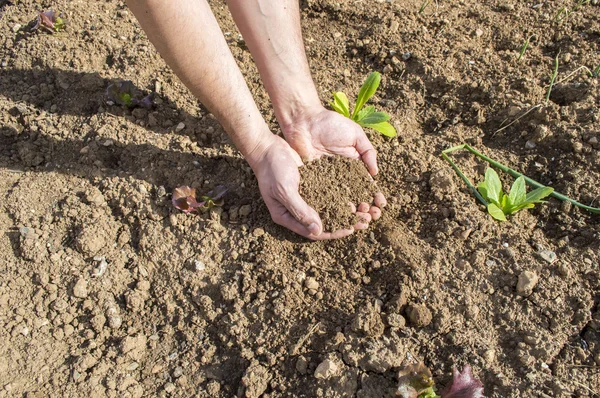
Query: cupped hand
{"points": [[276, 169], [317, 132]]}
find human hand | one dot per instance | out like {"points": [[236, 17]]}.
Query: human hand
{"points": [[275, 165], [319, 132]]}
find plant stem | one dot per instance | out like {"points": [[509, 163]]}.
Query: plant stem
{"points": [[524, 48], [508, 170]]}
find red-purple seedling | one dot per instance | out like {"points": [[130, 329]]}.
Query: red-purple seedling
{"points": [[124, 93], [463, 385], [50, 21], [184, 198]]}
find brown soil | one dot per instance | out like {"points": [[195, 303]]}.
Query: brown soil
{"points": [[330, 184], [106, 290]]}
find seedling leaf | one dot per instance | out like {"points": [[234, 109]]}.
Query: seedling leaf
{"points": [[366, 91], [366, 111], [340, 103], [494, 186], [517, 191], [375, 118], [384, 128], [537, 194], [496, 212]]}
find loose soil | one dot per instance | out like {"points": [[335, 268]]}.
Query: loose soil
{"points": [[329, 185], [107, 290]]}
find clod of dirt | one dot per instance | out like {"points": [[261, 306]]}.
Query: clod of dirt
{"points": [[330, 184], [419, 315], [564, 94], [526, 283], [256, 380], [368, 321], [326, 369]]}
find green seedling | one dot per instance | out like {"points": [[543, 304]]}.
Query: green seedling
{"points": [[365, 116], [524, 48], [553, 77], [500, 204], [425, 4], [514, 173], [563, 13], [596, 72]]}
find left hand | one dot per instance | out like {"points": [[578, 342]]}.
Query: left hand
{"points": [[323, 132]]}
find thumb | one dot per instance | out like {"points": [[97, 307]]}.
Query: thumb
{"points": [[302, 212]]}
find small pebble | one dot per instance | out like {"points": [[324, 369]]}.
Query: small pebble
{"points": [[199, 266], [180, 127], [548, 256], [326, 369], [530, 145], [311, 283], [406, 56]]}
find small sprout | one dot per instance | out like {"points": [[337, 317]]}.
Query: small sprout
{"points": [[366, 117], [425, 4], [596, 72], [415, 381], [463, 385], [50, 21], [553, 77], [524, 48], [184, 198], [124, 93], [500, 205]]}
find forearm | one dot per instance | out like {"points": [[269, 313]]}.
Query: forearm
{"points": [[189, 39], [271, 29]]}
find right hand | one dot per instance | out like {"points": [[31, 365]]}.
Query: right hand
{"points": [[276, 169]]}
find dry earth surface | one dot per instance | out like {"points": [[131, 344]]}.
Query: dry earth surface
{"points": [[107, 290]]}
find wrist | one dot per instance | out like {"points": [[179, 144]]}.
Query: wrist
{"points": [[255, 155], [293, 106]]}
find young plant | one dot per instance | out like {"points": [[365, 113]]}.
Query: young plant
{"points": [[365, 116], [184, 198], [500, 205], [415, 381], [50, 21], [553, 77], [124, 93], [507, 170], [596, 72], [524, 48], [425, 4]]}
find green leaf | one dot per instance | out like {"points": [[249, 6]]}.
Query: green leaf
{"points": [[364, 113], [494, 186], [521, 206], [366, 91], [428, 393], [517, 192], [496, 212], [482, 188], [375, 117], [384, 128], [340, 104], [537, 194]]}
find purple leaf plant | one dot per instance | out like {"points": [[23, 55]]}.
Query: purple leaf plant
{"points": [[124, 93], [184, 198], [50, 21]]}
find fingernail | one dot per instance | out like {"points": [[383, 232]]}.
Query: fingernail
{"points": [[314, 229]]}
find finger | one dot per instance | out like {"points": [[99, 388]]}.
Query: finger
{"points": [[363, 207], [375, 212], [352, 207], [365, 217], [379, 200], [341, 233], [301, 211], [359, 226], [367, 153]]}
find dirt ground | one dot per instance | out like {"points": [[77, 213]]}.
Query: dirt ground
{"points": [[107, 290]]}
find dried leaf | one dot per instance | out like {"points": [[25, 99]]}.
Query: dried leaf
{"points": [[463, 385]]}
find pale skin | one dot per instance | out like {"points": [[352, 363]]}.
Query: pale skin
{"points": [[188, 37]]}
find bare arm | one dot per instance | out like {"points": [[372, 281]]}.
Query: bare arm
{"points": [[189, 39], [273, 34]]}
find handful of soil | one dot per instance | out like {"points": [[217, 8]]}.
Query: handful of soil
{"points": [[330, 184]]}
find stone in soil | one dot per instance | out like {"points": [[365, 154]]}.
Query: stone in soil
{"points": [[526, 283], [330, 184]]}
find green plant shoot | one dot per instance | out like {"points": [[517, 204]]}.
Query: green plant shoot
{"points": [[429, 393], [365, 116], [500, 204]]}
